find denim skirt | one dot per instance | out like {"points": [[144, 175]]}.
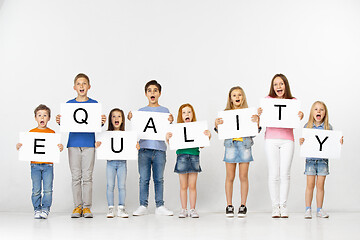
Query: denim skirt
{"points": [[186, 163]]}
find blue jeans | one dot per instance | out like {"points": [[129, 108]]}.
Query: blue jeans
{"points": [[116, 168], [44, 173], [156, 159]]}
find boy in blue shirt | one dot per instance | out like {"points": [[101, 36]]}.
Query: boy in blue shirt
{"points": [[81, 150]]}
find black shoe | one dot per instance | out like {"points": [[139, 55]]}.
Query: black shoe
{"points": [[230, 211], [242, 211]]}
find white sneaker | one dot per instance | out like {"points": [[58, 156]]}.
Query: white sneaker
{"points": [[308, 214], [275, 211], [162, 210], [110, 213], [122, 212], [193, 213], [322, 214], [44, 214], [37, 215], [183, 213], [284, 211], [142, 210]]}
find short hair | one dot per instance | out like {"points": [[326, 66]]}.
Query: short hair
{"points": [[42, 107], [82, 75], [153, 82]]}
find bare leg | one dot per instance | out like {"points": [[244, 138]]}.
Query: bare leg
{"points": [[192, 189], [310, 184], [320, 182], [230, 176], [244, 181], [183, 189]]}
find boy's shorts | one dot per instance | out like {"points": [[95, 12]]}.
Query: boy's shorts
{"points": [[319, 167]]}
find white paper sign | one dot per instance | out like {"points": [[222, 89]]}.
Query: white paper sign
{"points": [[39, 147], [80, 117], [237, 123], [150, 125], [321, 143], [117, 145], [280, 113], [188, 135]]}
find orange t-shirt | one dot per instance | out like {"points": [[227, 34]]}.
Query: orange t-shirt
{"points": [[47, 130]]}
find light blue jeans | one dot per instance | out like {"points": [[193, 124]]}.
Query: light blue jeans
{"points": [[42, 173], [116, 168], [156, 159]]}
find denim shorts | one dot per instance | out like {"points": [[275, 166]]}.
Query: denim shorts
{"points": [[318, 167], [237, 152], [186, 163]]}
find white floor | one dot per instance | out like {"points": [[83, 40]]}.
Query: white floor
{"points": [[208, 226]]}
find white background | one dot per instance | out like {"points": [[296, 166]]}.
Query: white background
{"points": [[197, 50]]}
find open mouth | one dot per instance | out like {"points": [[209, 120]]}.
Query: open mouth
{"points": [[279, 91], [42, 122], [82, 90], [237, 101], [187, 119], [318, 116], [152, 98], [117, 122]]}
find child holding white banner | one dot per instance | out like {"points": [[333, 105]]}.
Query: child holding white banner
{"points": [[42, 172], [237, 151], [187, 164], [279, 148], [316, 169]]}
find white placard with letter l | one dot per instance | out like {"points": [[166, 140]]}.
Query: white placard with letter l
{"points": [[237, 123], [188, 135], [150, 125], [117, 145], [280, 113], [39, 147], [321, 143], [80, 117]]}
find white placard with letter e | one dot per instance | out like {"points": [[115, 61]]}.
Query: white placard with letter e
{"points": [[39, 147], [237, 123], [321, 143], [280, 113], [150, 125], [188, 135], [80, 117]]}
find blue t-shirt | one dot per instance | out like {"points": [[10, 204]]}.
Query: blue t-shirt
{"points": [[81, 139], [153, 144], [320, 127]]}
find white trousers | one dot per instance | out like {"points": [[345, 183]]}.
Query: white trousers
{"points": [[279, 153]]}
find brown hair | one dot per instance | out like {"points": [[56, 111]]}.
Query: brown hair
{"points": [[287, 94], [153, 82], [230, 105], [179, 118], [82, 75], [42, 107], [122, 125], [310, 123]]}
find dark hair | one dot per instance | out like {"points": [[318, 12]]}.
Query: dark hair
{"points": [[42, 107], [82, 75], [111, 126], [287, 94], [153, 82]]}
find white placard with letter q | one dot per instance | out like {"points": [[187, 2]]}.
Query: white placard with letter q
{"points": [[117, 145], [80, 117], [280, 113], [237, 123], [150, 125], [188, 135], [39, 147], [321, 143]]}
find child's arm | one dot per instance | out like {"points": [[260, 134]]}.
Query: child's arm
{"points": [[61, 147], [103, 120], [58, 117], [207, 133], [129, 116], [137, 146], [260, 110], [168, 136], [256, 118], [301, 141], [171, 118], [18, 146], [97, 144], [218, 121]]}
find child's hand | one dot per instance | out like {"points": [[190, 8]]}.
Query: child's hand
{"points": [[58, 119], [301, 115], [130, 116], [103, 119], [260, 110], [137, 146], [218, 121], [97, 144], [61, 147], [168, 136], [255, 118], [207, 133], [18, 146], [342, 140], [171, 118], [301, 141]]}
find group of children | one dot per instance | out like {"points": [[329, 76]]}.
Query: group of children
{"points": [[279, 146]]}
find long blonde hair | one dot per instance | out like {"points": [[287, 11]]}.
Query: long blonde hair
{"points": [[230, 105], [310, 123]]}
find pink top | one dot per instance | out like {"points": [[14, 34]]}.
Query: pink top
{"points": [[279, 133]]}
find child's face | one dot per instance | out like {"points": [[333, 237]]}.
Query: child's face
{"points": [[152, 94], [82, 86], [236, 98], [42, 118], [187, 114], [319, 113], [116, 119], [279, 87]]}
